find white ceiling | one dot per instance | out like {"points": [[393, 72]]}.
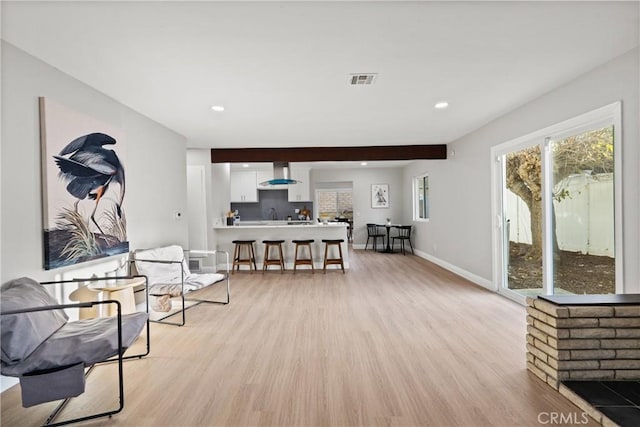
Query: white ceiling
{"points": [[282, 69]]}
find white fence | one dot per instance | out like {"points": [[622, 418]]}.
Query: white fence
{"points": [[584, 219]]}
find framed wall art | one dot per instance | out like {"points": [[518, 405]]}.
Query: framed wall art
{"points": [[83, 187], [379, 195]]}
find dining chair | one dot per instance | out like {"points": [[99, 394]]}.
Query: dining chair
{"points": [[404, 234], [374, 232]]}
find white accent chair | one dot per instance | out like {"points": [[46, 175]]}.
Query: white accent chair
{"points": [[168, 276]]}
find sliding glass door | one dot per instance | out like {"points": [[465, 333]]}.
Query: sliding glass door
{"points": [[522, 203], [555, 203], [582, 227]]}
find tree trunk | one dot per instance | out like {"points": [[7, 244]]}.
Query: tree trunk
{"points": [[535, 211], [535, 252]]}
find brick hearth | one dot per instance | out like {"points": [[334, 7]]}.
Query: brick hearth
{"points": [[582, 342]]}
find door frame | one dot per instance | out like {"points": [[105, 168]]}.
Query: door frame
{"points": [[607, 115]]}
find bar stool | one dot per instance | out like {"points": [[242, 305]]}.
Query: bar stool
{"points": [[250, 259], [303, 261], [329, 261], [268, 244]]}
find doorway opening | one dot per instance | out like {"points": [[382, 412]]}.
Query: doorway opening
{"points": [[335, 203]]}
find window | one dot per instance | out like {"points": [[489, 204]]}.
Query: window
{"points": [[335, 204], [421, 198]]}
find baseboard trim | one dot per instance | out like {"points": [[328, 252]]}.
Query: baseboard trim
{"points": [[480, 281], [7, 382]]}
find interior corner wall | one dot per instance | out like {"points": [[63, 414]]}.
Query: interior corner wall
{"points": [[155, 165], [220, 192], [459, 231], [217, 188], [362, 179]]}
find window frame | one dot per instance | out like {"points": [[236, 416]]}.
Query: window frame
{"points": [[333, 190], [417, 180], [610, 114]]}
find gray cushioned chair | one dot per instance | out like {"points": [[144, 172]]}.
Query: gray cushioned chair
{"points": [[49, 354]]}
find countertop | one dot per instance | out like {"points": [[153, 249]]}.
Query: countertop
{"points": [[274, 224], [259, 231]]}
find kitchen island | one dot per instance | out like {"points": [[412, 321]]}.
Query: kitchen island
{"points": [[287, 231]]}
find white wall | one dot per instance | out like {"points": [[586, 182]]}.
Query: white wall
{"points": [[459, 232], [362, 179], [220, 190], [155, 168], [217, 194], [201, 158]]}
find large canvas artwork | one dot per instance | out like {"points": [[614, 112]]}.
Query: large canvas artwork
{"points": [[83, 187]]}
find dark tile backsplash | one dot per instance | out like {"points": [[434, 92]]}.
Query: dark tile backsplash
{"points": [[270, 202]]}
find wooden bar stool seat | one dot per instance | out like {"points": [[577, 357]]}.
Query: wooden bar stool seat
{"points": [[279, 261], [249, 258], [303, 261], [329, 261]]}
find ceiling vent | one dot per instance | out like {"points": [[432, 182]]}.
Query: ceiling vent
{"points": [[362, 79]]}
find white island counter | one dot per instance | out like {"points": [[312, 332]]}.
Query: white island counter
{"points": [[287, 231]]}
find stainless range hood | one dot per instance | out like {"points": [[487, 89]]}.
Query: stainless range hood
{"points": [[280, 175]]}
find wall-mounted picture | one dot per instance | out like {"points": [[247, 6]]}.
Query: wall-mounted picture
{"points": [[83, 187], [379, 195]]}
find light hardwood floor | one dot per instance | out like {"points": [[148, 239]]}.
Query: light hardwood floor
{"points": [[395, 341]]}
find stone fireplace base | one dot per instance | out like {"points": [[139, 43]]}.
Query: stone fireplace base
{"points": [[592, 338]]}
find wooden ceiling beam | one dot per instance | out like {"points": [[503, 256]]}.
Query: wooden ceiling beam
{"points": [[319, 154]]}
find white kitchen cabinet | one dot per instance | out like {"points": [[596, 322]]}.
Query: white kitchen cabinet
{"points": [[244, 187], [299, 192]]}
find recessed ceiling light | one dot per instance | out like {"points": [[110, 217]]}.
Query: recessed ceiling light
{"points": [[441, 105], [245, 165], [217, 108], [363, 164]]}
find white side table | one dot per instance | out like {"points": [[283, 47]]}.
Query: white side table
{"points": [[84, 294], [120, 290]]}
